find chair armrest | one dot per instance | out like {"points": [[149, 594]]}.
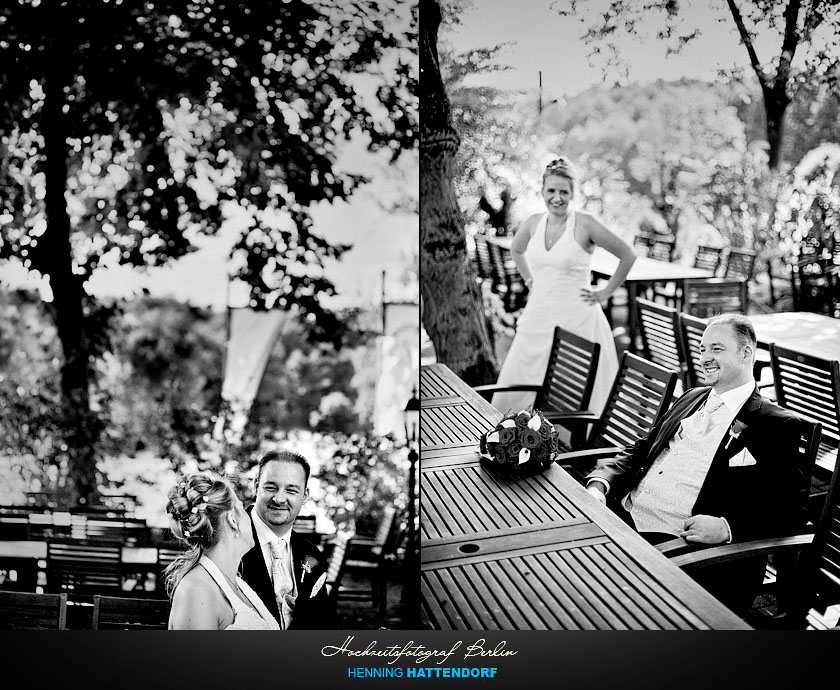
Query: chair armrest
{"points": [[672, 546], [572, 420], [731, 552], [580, 457], [487, 390]]}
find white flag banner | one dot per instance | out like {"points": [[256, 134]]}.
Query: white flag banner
{"points": [[251, 340], [398, 356]]}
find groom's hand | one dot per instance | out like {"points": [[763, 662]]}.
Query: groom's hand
{"points": [[595, 489], [705, 529]]}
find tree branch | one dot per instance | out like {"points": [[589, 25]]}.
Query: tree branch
{"points": [[789, 45], [746, 39]]}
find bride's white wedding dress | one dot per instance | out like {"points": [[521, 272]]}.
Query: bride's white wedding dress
{"points": [[560, 273], [245, 617]]}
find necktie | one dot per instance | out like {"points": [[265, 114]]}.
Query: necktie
{"points": [[281, 578], [712, 405]]}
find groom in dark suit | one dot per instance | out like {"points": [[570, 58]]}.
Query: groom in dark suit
{"points": [[284, 568], [718, 467]]}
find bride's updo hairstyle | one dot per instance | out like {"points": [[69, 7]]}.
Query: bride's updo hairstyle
{"points": [[196, 506], [561, 167]]}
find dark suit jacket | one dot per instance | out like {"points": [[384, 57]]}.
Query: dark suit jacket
{"points": [[760, 500], [313, 613]]}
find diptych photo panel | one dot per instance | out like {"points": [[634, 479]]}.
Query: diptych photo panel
{"points": [[419, 315], [629, 369], [209, 359]]}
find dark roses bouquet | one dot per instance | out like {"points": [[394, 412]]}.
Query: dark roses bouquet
{"points": [[525, 440]]}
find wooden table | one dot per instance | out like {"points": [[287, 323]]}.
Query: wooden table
{"points": [[500, 551], [644, 274], [812, 334]]}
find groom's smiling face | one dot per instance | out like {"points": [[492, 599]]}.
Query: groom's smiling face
{"points": [[281, 493]]}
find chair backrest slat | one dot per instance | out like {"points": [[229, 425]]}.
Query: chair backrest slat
{"points": [[29, 611], [122, 613], [482, 259], [642, 391], [810, 387], [338, 557], [83, 568], [661, 249], [827, 543], [660, 326], [705, 297], [691, 333], [739, 264], [570, 374], [708, 258]]}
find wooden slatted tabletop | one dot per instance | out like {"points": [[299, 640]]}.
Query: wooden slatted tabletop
{"points": [[812, 334], [502, 551]]}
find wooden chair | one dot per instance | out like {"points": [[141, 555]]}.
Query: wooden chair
{"points": [[28, 611], [817, 580], [569, 376], [366, 557], [739, 264], [706, 258], [305, 525], [483, 262], [661, 342], [705, 297], [81, 568], [335, 566], [662, 249], [124, 531], [642, 244], [123, 613], [810, 387], [508, 284], [691, 332], [642, 392]]}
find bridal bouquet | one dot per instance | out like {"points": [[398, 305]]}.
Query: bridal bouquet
{"points": [[525, 440]]}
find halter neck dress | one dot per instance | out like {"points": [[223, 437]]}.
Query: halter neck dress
{"points": [[560, 273], [244, 617]]}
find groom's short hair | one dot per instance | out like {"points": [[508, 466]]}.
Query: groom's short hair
{"points": [[283, 456], [741, 326]]}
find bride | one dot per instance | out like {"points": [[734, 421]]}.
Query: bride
{"points": [[553, 252], [206, 592]]}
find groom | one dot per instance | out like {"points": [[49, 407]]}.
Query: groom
{"points": [[284, 568], [719, 466]]}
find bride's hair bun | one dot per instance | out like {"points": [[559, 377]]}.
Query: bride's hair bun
{"points": [[196, 505], [562, 167]]}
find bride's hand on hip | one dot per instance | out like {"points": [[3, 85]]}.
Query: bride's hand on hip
{"points": [[593, 296]]}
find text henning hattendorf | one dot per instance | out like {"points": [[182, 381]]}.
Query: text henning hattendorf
{"points": [[420, 652]]}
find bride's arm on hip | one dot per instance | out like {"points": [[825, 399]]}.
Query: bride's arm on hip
{"points": [[600, 235], [520, 243]]}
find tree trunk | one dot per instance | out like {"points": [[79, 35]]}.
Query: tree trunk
{"points": [[68, 294], [452, 307], [775, 106]]}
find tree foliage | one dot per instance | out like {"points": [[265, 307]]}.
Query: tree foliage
{"points": [[806, 37], [127, 125]]}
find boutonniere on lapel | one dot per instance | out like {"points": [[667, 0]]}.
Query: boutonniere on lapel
{"points": [[735, 431], [306, 567]]}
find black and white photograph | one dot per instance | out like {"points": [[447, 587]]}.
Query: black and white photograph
{"points": [[630, 305], [209, 287]]}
